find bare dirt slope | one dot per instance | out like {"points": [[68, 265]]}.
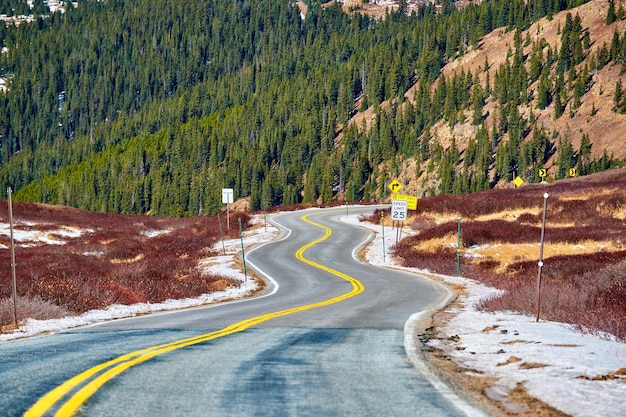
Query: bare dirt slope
{"points": [[605, 128], [595, 117]]}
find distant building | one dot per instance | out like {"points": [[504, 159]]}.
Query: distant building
{"points": [[53, 5]]}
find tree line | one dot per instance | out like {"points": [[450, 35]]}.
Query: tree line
{"points": [[152, 107]]}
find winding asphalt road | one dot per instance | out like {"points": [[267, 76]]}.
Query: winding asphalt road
{"points": [[327, 338]]}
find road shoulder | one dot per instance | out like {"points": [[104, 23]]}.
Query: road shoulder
{"points": [[471, 382]]}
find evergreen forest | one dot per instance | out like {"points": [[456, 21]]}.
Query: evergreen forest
{"points": [[152, 107]]}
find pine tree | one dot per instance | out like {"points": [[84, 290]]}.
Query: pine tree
{"points": [[611, 16], [584, 155], [478, 102], [544, 96], [618, 96], [558, 106], [565, 156]]}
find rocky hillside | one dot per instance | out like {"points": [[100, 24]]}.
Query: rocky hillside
{"points": [[594, 117]]}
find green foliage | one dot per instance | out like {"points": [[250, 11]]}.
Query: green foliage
{"points": [[611, 15], [152, 107], [447, 169], [565, 158]]}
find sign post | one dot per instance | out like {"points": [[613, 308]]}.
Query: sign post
{"points": [[227, 198], [458, 248], [243, 253], [382, 223]]}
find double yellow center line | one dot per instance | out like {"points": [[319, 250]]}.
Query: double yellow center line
{"points": [[77, 390]]}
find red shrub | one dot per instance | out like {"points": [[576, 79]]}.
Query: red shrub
{"points": [[588, 291], [117, 259]]}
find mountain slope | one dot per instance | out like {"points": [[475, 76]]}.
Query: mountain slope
{"points": [[594, 117], [287, 109], [605, 127]]}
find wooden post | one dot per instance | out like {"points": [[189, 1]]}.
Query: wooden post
{"points": [[12, 258]]}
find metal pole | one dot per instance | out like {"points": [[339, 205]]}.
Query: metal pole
{"points": [[540, 263], [458, 249], [397, 229], [352, 193], [243, 254], [228, 216], [382, 221], [12, 258], [219, 221]]}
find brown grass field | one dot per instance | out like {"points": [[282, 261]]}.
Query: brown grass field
{"points": [[583, 279], [110, 259]]}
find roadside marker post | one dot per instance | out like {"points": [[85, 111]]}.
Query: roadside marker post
{"points": [[458, 249], [347, 198], [13, 279], [540, 263], [243, 254], [382, 222]]}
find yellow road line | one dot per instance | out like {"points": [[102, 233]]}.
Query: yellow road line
{"points": [[101, 374]]}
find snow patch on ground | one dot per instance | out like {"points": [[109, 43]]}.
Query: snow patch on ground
{"points": [[38, 237], [582, 375]]}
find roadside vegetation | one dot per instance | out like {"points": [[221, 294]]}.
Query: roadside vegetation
{"points": [[72, 261], [584, 272], [75, 260]]}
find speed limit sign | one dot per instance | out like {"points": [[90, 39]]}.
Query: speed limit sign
{"points": [[398, 210]]}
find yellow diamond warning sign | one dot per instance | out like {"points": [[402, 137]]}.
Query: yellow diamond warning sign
{"points": [[395, 186]]}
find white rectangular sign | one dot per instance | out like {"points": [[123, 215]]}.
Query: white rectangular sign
{"points": [[227, 195], [398, 210]]}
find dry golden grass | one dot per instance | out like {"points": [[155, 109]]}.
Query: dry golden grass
{"points": [[514, 342], [508, 253], [490, 328], [128, 261], [433, 245], [510, 360], [509, 215], [532, 365]]}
